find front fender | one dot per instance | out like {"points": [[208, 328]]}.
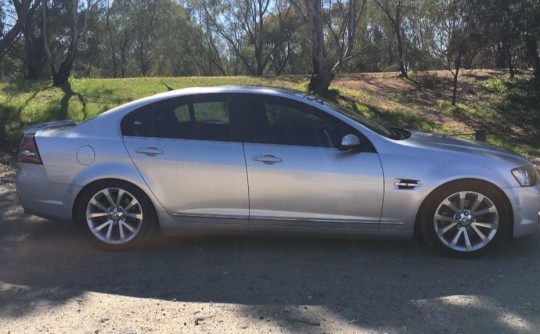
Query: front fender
{"points": [[401, 204]]}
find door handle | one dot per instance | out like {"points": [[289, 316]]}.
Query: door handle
{"points": [[268, 159], [149, 151]]}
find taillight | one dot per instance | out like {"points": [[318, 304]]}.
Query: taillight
{"points": [[29, 152]]}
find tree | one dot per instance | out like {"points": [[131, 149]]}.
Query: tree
{"points": [[458, 36], [418, 28], [177, 49], [144, 32], [499, 24], [74, 35], [321, 75], [23, 9], [212, 57], [34, 59], [343, 20], [167, 42], [528, 16], [395, 11], [243, 25], [507, 30], [118, 37], [282, 36]]}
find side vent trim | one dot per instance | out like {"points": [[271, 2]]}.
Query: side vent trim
{"points": [[407, 184]]}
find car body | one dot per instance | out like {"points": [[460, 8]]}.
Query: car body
{"points": [[233, 158]]}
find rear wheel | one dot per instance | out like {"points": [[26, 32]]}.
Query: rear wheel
{"points": [[118, 215], [465, 218]]}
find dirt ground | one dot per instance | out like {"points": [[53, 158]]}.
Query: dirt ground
{"points": [[53, 281]]}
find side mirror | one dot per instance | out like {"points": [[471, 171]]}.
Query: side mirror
{"points": [[350, 142]]}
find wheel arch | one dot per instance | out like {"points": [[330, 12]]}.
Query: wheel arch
{"points": [[417, 224]]}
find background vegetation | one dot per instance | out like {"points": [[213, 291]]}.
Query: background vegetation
{"points": [[76, 58], [130, 38], [509, 109]]}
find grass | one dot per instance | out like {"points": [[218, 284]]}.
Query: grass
{"points": [[23, 103], [508, 109]]}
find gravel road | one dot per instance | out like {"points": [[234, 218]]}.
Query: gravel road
{"points": [[53, 281]]}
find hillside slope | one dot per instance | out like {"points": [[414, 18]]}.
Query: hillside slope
{"points": [[509, 110]]}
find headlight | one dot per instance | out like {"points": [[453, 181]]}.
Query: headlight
{"points": [[526, 176]]}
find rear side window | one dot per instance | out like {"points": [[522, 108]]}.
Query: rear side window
{"points": [[204, 117]]}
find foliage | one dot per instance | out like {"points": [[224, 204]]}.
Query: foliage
{"points": [[126, 38]]}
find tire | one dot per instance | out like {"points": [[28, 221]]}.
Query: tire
{"points": [[117, 215], [464, 219]]}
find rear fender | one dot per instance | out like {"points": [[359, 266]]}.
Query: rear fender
{"points": [[118, 171]]}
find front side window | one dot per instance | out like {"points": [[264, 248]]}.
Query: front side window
{"points": [[199, 117], [287, 122]]}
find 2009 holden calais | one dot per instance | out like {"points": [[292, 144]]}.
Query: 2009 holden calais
{"points": [[268, 159]]}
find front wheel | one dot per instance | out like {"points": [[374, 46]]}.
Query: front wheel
{"points": [[118, 215], [464, 219]]}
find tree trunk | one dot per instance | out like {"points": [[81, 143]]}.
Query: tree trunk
{"points": [[533, 53], [8, 39], [142, 62], [396, 24], [23, 9], [457, 65], [509, 60], [258, 59], [402, 69], [34, 59], [61, 76], [112, 40], [454, 92], [537, 69], [500, 57], [321, 76]]}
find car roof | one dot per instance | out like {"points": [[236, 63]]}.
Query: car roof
{"points": [[243, 89], [234, 89]]}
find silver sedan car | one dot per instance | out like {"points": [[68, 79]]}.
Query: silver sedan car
{"points": [[236, 158]]}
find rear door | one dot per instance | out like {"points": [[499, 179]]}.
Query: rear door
{"points": [[298, 177], [187, 151]]}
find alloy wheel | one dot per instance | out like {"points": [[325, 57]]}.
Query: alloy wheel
{"points": [[466, 221], [114, 216]]}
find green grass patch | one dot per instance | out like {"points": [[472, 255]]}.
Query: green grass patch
{"points": [[512, 113], [23, 102], [446, 108], [509, 109], [388, 117]]}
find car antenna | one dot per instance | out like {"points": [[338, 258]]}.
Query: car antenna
{"points": [[169, 88]]}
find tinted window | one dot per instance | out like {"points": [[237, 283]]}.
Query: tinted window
{"points": [[199, 117], [286, 122]]}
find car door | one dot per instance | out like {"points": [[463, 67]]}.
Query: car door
{"points": [[298, 177], [187, 152]]}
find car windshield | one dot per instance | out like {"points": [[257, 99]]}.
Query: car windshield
{"points": [[390, 132]]}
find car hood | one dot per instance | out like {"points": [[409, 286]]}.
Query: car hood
{"points": [[463, 146]]}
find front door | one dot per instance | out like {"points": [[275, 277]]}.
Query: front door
{"points": [[298, 177]]}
